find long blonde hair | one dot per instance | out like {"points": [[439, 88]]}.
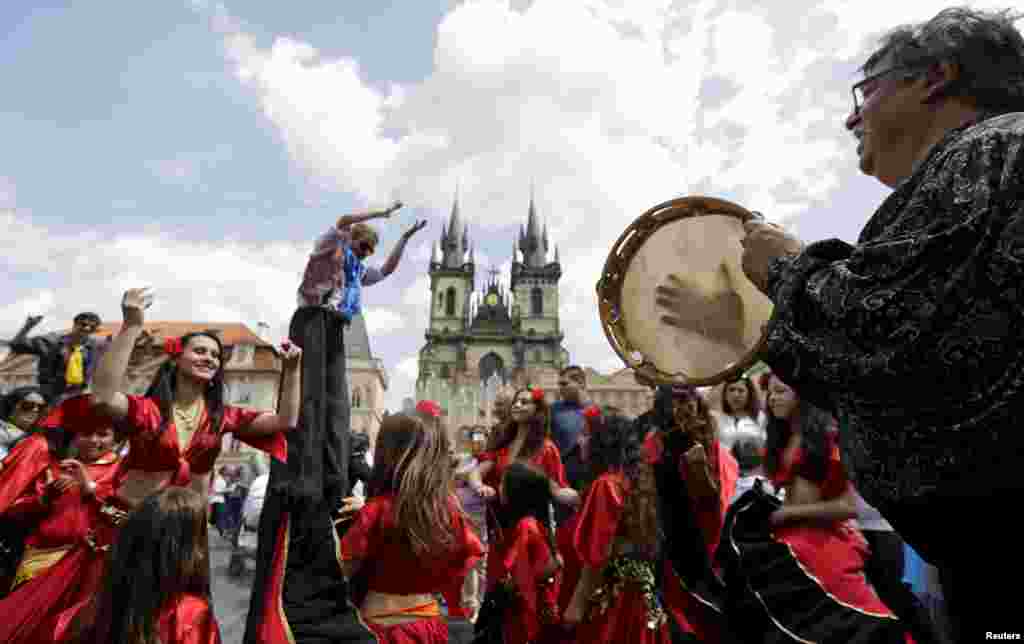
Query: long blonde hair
{"points": [[413, 462]]}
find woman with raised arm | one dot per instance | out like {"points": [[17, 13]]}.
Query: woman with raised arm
{"points": [[70, 519], [696, 477], [796, 568], [175, 430]]}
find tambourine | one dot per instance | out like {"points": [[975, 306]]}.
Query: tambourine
{"points": [[674, 301]]}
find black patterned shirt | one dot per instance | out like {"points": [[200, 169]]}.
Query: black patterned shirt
{"points": [[914, 337]]}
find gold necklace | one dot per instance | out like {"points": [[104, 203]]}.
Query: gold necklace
{"points": [[186, 421]]}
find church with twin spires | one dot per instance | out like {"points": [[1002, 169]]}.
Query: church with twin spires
{"points": [[497, 338]]}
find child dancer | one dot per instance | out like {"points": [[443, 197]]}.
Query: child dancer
{"points": [[70, 522], [522, 574], [411, 538]]}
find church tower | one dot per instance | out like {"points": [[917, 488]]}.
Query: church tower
{"points": [[497, 338], [535, 288], [451, 281]]}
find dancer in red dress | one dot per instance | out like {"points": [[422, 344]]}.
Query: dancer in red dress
{"points": [[795, 569], [696, 478], [523, 439], [617, 539], [411, 539], [156, 586], [70, 524], [521, 605], [176, 428]]}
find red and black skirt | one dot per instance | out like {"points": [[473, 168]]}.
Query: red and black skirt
{"points": [[800, 583]]}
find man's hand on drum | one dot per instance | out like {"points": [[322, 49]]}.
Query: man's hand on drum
{"points": [[713, 309], [763, 243]]}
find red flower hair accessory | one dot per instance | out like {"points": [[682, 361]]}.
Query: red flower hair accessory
{"points": [[537, 394], [429, 408], [592, 412], [173, 347]]}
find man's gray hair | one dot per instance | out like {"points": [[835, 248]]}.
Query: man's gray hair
{"points": [[985, 45]]}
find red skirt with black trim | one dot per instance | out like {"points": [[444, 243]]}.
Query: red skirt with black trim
{"points": [[801, 582]]}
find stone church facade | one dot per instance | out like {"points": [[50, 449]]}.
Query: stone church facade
{"points": [[479, 343]]}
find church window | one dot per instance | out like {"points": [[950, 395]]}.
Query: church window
{"points": [[449, 303], [536, 301]]}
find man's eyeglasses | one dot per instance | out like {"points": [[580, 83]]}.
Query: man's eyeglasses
{"points": [[859, 95], [31, 406]]}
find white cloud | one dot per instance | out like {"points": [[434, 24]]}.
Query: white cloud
{"points": [[607, 107], [383, 321]]}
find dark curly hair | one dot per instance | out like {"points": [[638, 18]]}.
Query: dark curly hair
{"points": [[616, 445], [164, 385], [986, 46]]}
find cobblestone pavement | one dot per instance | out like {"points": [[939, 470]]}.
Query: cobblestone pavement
{"points": [[230, 594]]}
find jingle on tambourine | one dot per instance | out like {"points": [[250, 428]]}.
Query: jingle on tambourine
{"points": [[673, 299]]}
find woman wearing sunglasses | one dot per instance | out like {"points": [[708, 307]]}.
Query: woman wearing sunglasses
{"points": [[20, 410]]}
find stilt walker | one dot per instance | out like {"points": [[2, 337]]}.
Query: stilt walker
{"points": [[299, 593]]}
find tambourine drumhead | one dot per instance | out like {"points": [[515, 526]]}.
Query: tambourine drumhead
{"points": [[673, 298]]}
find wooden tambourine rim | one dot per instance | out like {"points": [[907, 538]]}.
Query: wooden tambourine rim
{"points": [[609, 287]]}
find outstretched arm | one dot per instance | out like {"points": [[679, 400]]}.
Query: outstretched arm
{"points": [[356, 217], [291, 396], [108, 380], [20, 343], [396, 253]]}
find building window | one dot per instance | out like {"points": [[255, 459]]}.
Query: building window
{"points": [[536, 302], [536, 356], [242, 355], [449, 304], [357, 398], [446, 372]]}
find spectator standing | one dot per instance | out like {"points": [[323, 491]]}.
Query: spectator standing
{"points": [[66, 360]]}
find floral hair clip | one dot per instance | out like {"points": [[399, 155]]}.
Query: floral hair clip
{"points": [[429, 408], [592, 412], [173, 347], [537, 394]]}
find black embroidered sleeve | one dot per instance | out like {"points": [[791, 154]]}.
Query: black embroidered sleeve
{"points": [[920, 326]]}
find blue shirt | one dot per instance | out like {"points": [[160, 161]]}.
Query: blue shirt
{"points": [[567, 424]]}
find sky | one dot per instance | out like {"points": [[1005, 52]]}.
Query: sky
{"points": [[200, 147]]}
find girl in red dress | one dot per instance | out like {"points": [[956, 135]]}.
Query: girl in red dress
{"points": [[617, 539], [176, 428], [70, 527], [795, 569], [156, 587], [524, 438], [410, 539], [521, 605], [696, 477]]}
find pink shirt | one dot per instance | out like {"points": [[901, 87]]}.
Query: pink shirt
{"points": [[324, 279]]}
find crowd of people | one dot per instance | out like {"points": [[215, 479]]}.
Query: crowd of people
{"points": [[851, 492]]}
